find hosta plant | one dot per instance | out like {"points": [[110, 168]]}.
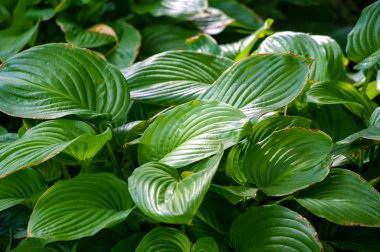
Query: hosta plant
{"points": [[270, 142]]}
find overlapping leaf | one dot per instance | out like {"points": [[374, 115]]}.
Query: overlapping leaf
{"points": [[80, 207], [260, 83], [174, 77], [191, 132], [161, 194], [364, 40], [55, 80], [343, 198], [273, 228], [204, 43], [48, 139], [337, 92], [287, 161], [23, 187], [300, 44]]}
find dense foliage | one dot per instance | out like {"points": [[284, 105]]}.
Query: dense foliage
{"points": [[189, 126]]}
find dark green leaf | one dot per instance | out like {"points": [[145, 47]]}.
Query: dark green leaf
{"points": [[343, 198], [273, 228], [80, 207], [23, 187], [164, 239], [160, 192], [204, 43], [181, 136], [174, 77], [235, 194], [261, 83], [205, 244], [55, 80]]}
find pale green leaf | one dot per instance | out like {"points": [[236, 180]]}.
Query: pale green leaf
{"points": [[174, 77], [204, 43], [80, 207], [159, 191], [260, 83], [164, 239], [343, 198], [211, 21], [273, 228], [23, 187], [55, 80], [191, 132]]}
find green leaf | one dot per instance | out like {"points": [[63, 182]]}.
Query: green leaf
{"points": [[32, 245], [47, 140], [364, 39], [211, 21], [128, 244], [23, 187], [343, 198], [287, 161], [301, 44], [260, 83], [337, 92], [174, 77], [241, 49], [181, 136], [334, 55], [161, 194], [273, 228], [164, 37], [164, 239], [204, 43], [6, 137], [55, 80], [205, 244], [372, 61], [372, 132], [128, 46], [80, 207], [235, 194]]}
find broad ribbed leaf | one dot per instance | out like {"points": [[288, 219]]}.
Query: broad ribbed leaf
{"points": [[174, 77], [128, 46], [343, 198], [191, 132], [6, 137], [205, 244], [273, 228], [48, 139], [55, 80], [21, 188], [80, 207], [287, 161], [336, 92], [301, 44], [334, 55], [370, 62], [261, 83], [372, 132], [159, 191], [164, 239], [235, 194], [211, 21], [364, 39], [260, 131], [204, 43]]}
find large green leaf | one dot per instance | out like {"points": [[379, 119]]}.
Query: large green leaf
{"points": [[128, 46], [301, 44], [80, 207], [261, 83], [343, 198], [174, 77], [337, 92], [164, 239], [287, 161], [55, 80], [364, 39], [48, 139], [160, 192], [334, 55], [21, 188], [211, 21], [191, 132], [372, 132], [273, 228], [260, 131]]}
